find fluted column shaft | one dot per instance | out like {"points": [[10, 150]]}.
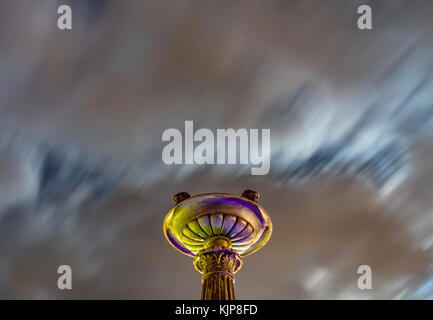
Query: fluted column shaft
{"points": [[217, 286]]}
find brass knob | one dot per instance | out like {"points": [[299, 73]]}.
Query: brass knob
{"points": [[251, 195], [179, 197]]}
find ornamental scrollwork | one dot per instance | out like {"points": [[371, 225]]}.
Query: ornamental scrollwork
{"points": [[221, 260]]}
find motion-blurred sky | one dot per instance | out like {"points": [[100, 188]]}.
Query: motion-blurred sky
{"points": [[82, 112]]}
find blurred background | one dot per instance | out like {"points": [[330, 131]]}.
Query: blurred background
{"points": [[82, 113]]}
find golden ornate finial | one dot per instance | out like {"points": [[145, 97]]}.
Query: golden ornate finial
{"points": [[179, 197], [251, 195], [217, 229]]}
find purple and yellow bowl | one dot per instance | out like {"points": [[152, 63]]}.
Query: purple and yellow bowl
{"points": [[195, 219]]}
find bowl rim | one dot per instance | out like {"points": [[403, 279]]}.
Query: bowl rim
{"points": [[260, 242]]}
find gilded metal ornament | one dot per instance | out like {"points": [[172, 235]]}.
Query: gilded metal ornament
{"points": [[217, 229]]}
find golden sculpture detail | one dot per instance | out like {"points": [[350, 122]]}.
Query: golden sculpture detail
{"points": [[217, 229]]}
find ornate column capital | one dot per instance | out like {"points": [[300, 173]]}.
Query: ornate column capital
{"points": [[218, 257]]}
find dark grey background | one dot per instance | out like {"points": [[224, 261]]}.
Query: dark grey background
{"points": [[82, 113]]}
